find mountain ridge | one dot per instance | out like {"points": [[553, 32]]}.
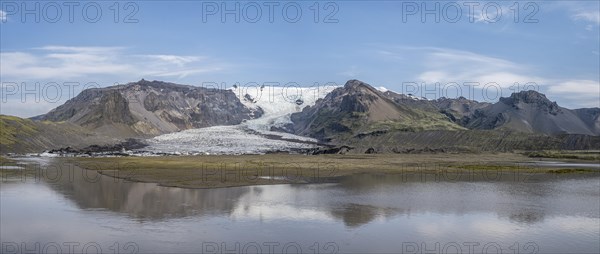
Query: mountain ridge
{"points": [[356, 114], [446, 121]]}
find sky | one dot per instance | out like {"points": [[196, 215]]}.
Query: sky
{"points": [[50, 51]]}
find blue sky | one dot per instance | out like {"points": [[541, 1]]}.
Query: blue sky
{"points": [[550, 46]]}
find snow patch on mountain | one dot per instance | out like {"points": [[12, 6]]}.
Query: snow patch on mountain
{"points": [[382, 89]]}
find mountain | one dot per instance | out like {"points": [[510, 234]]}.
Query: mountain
{"points": [[150, 108], [355, 115], [372, 121], [359, 109], [532, 112]]}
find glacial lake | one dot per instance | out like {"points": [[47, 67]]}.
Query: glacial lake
{"points": [[67, 208]]}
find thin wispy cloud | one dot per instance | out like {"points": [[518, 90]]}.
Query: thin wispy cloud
{"points": [[57, 48], [589, 15], [61, 64], [585, 93], [448, 65], [445, 66], [581, 11], [69, 62], [174, 59], [186, 73], [3, 17]]}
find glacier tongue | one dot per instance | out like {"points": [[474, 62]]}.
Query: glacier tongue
{"points": [[252, 136]]}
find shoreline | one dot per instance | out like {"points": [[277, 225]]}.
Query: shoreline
{"points": [[223, 171]]}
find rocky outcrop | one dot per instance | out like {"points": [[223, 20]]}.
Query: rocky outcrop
{"points": [[108, 149]]}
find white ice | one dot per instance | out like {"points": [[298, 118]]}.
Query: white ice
{"points": [[252, 136]]}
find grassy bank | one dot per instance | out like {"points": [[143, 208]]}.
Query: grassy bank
{"points": [[229, 171], [569, 155]]}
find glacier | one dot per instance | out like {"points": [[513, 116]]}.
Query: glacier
{"points": [[252, 136]]}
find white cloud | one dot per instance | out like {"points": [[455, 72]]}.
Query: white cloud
{"points": [[174, 59], [582, 11], [68, 63], [185, 73], [102, 65], [448, 66], [3, 16], [588, 15], [580, 93], [80, 49]]}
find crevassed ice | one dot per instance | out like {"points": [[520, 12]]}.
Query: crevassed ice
{"points": [[252, 136]]}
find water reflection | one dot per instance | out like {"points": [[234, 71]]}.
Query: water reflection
{"points": [[144, 201], [354, 215], [550, 208], [355, 200]]}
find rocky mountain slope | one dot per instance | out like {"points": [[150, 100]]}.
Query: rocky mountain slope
{"points": [[149, 108], [532, 112], [591, 117], [359, 109]]}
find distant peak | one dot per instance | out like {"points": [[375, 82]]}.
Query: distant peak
{"points": [[533, 98], [145, 82], [353, 83], [529, 97]]}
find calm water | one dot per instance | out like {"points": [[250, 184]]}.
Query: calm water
{"points": [[363, 213]]}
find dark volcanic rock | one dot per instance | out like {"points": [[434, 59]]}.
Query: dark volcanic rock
{"points": [[129, 144], [330, 150], [116, 149], [373, 133]]}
